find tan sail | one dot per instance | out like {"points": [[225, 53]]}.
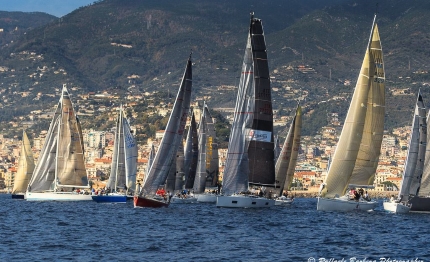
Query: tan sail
{"points": [[25, 166], [286, 163], [357, 153], [70, 158]]}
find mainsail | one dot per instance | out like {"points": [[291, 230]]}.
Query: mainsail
{"points": [[61, 162], [180, 176], [191, 153], [250, 155], [413, 169], [212, 160], [286, 163], [150, 160], [357, 153], [25, 166], [172, 137], [200, 179], [124, 158]]}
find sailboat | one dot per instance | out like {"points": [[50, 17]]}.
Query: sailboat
{"points": [[286, 163], [421, 201], [61, 168], [122, 179], [250, 154], [211, 163], [413, 169], [169, 145], [25, 169], [357, 152]]}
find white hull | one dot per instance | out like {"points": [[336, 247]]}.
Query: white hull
{"points": [[56, 196], [283, 201], [343, 204], [242, 201], [179, 200], [399, 208], [207, 198]]}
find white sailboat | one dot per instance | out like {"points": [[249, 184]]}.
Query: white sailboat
{"points": [[61, 168], [286, 163], [169, 145], [122, 179], [357, 152], [250, 155], [413, 169], [25, 169]]}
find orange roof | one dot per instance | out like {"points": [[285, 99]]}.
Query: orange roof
{"points": [[394, 178]]}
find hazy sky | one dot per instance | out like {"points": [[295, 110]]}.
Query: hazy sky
{"points": [[54, 7]]}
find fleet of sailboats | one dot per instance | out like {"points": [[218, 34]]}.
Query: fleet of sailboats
{"points": [[122, 179], [60, 168], [257, 174], [357, 152], [250, 155]]}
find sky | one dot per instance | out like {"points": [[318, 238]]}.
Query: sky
{"points": [[53, 7]]}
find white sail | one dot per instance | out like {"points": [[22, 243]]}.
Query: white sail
{"points": [[25, 166], [413, 169], [172, 136], [44, 172], [130, 154], [357, 153], [200, 179], [236, 169], [124, 158]]}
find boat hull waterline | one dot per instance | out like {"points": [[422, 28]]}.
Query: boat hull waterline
{"points": [[398, 208], [180, 200], [338, 204], [241, 201], [110, 199], [57, 196], [207, 198], [18, 196], [420, 204], [149, 202]]}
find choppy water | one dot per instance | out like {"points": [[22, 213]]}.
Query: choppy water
{"points": [[88, 231]]}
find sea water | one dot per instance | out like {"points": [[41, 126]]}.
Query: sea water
{"points": [[90, 231]]}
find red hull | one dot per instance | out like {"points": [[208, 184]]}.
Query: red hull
{"points": [[148, 202]]}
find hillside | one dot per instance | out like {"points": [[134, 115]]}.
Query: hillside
{"points": [[129, 47]]}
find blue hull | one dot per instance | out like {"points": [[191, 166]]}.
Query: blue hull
{"points": [[110, 199]]}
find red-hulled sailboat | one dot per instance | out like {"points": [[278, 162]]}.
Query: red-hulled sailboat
{"points": [[159, 170]]}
